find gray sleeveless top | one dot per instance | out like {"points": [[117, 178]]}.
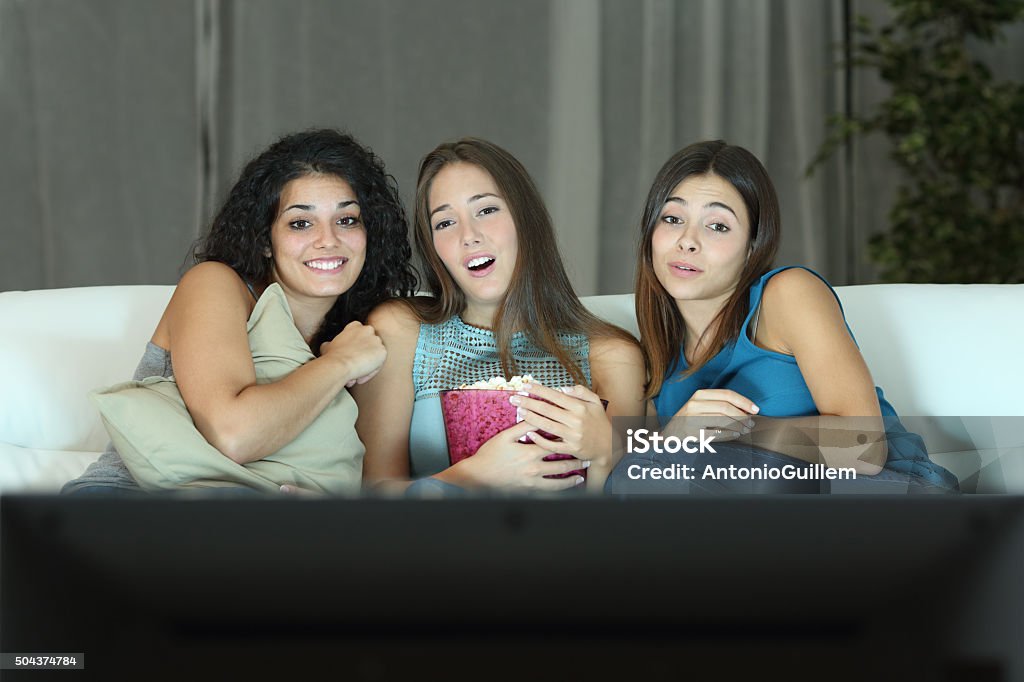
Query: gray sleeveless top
{"points": [[109, 470], [454, 353]]}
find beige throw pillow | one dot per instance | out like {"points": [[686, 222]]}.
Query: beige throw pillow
{"points": [[158, 441]]}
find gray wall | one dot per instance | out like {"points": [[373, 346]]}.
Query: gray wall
{"points": [[124, 122]]}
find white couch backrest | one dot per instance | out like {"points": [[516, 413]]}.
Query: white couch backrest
{"points": [[58, 344], [942, 349], [934, 349]]}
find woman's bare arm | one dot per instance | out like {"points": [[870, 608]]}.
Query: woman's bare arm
{"points": [[801, 317], [386, 402], [204, 328]]}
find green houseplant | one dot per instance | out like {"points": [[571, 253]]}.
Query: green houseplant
{"points": [[958, 136]]}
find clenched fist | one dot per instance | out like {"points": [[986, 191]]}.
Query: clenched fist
{"points": [[359, 350]]}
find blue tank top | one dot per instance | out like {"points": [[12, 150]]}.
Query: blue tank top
{"points": [[774, 383]]}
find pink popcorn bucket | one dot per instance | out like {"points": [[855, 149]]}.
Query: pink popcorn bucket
{"points": [[472, 416]]}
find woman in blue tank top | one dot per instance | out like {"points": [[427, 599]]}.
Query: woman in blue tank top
{"points": [[729, 338], [502, 306]]}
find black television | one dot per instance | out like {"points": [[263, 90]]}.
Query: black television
{"points": [[843, 587]]}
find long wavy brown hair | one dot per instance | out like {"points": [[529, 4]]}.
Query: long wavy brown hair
{"points": [[540, 300], [662, 329]]}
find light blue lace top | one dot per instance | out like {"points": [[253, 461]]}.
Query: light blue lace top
{"points": [[453, 353]]}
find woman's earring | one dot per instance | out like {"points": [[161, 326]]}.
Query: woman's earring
{"points": [[266, 252]]}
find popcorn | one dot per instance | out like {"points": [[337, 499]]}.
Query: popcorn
{"points": [[474, 413], [516, 383]]}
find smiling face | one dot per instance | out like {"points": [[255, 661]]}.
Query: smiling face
{"points": [[318, 239], [474, 236], [700, 244]]}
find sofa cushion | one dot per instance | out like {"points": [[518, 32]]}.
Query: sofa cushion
{"points": [[28, 470], [942, 349], [56, 345], [158, 441]]}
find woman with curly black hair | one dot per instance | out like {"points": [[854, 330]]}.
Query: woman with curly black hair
{"points": [[316, 224]]}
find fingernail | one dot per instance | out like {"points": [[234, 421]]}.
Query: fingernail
{"points": [[580, 480], [586, 464], [286, 488], [519, 415], [755, 409], [522, 393], [749, 423], [532, 435], [515, 399]]}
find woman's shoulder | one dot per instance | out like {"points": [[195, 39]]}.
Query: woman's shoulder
{"points": [[795, 285], [396, 317], [617, 369], [614, 347], [797, 303], [212, 274], [213, 283], [208, 292]]}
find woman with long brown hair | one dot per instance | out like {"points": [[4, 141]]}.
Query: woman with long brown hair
{"points": [[502, 306], [728, 337]]}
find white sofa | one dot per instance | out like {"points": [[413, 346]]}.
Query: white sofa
{"points": [[951, 353]]}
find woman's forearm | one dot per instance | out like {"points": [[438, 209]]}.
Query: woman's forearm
{"points": [[263, 418], [857, 442]]}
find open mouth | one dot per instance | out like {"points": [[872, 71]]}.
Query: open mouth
{"points": [[326, 264], [480, 263]]}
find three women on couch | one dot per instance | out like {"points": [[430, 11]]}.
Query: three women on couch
{"points": [[723, 335]]}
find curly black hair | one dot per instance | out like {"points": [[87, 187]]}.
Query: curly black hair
{"points": [[240, 234]]}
